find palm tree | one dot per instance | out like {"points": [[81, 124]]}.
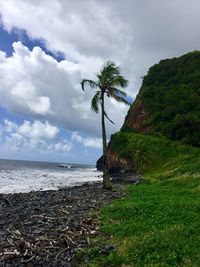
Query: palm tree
{"points": [[109, 82]]}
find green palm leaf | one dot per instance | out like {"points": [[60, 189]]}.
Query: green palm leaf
{"points": [[120, 81], [120, 99], [116, 91], [108, 117], [95, 102], [91, 83]]}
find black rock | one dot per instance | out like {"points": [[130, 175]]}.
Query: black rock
{"points": [[105, 250], [51, 226], [99, 164], [65, 264]]}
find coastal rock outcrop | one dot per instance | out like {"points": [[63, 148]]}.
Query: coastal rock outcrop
{"points": [[116, 164]]}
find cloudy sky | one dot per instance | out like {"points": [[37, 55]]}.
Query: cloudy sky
{"points": [[48, 46]]}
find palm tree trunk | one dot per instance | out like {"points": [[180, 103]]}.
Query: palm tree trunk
{"points": [[106, 179]]}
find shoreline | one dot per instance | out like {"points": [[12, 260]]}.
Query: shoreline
{"points": [[54, 190], [48, 228]]}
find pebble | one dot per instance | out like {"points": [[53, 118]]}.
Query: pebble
{"points": [[47, 228]]}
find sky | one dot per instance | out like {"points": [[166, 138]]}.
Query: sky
{"points": [[47, 47]]}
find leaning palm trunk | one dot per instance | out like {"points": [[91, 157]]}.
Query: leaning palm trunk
{"points": [[108, 84], [106, 179]]}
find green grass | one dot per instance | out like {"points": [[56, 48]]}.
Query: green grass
{"points": [[161, 157], [157, 223]]}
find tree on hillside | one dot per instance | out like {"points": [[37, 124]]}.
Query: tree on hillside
{"points": [[109, 82]]}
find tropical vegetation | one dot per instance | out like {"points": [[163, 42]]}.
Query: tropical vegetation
{"points": [[170, 93]]}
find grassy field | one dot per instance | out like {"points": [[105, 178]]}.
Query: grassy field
{"points": [[158, 222]]}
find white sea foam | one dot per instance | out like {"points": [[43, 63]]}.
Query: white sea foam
{"points": [[16, 181]]}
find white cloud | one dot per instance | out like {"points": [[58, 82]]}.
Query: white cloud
{"points": [[62, 146], [38, 130], [135, 34], [26, 93], [88, 21], [35, 84], [15, 140], [87, 32], [88, 141], [35, 130], [33, 136], [9, 126]]}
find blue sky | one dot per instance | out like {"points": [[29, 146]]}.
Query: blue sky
{"points": [[8, 38], [48, 47]]}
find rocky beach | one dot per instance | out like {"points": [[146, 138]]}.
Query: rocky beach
{"points": [[50, 228]]}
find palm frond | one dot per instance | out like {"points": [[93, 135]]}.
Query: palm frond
{"points": [[120, 81], [110, 67], [120, 99], [109, 81], [108, 72], [91, 83], [108, 117], [116, 91], [109, 76], [95, 102]]}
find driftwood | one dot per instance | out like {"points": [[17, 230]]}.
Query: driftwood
{"points": [[50, 228]]}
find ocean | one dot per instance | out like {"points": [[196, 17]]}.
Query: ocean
{"points": [[25, 176]]}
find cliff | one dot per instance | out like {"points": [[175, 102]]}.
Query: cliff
{"points": [[167, 105]]}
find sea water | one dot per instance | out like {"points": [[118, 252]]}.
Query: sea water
{"points": [[26, 176]]}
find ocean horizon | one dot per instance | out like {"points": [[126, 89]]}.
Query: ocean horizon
{"points": [[23, 176]]}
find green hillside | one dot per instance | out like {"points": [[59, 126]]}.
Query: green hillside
{"points": [[170, 94], [152, 156]]}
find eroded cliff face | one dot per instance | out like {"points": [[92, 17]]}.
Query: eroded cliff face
{"points": [[136, 117], [134, 121]]}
